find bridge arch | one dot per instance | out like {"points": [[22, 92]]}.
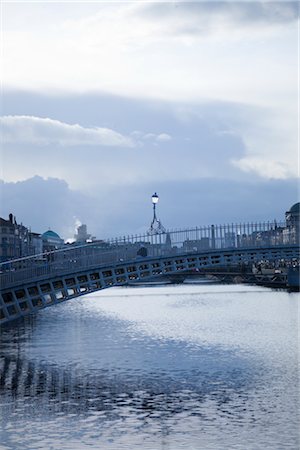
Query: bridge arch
{"points": [[22, 295]]}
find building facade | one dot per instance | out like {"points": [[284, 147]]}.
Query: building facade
{"points": [[292, 230], [17, 241]]}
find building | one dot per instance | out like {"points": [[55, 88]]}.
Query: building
{"points": [[36, 243], [196, 245], [16, 240], [10, 245], [292, 217], [51, 241], [82, 235], [292, 231], [230, 239]]}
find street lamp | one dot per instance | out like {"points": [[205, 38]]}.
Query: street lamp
{"points": [[155, 198], [156, 227]]}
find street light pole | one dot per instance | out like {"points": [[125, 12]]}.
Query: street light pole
{"points": [[155, 199], [156, 226]]}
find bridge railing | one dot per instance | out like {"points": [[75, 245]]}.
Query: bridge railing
{"points": [[101, 253], [251, 234]]}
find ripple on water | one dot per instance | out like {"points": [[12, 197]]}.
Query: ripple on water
{"points": [[193, 367]]}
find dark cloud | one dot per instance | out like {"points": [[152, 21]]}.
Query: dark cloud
{"points": [[201, 143], [41, 203], [191, 172], [201, 17]]}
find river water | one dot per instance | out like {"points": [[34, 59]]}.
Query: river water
{"points": [[193, 366]]}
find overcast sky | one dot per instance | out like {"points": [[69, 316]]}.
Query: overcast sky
{"points": [[104, 103]]}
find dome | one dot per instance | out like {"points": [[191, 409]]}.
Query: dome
{"points": [[50, 235], [295, 209]]}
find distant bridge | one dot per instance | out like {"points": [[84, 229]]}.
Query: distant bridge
{"points": [[32, 283]]}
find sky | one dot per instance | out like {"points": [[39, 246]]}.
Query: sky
{"points": [[105, 103]]}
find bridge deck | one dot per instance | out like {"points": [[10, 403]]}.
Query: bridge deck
{"points": [[33, 286]]}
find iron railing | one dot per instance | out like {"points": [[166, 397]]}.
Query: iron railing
{"points": [[74, 257]]}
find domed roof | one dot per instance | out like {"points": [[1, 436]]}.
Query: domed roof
{"points": [[50, 234], [295, 208]]}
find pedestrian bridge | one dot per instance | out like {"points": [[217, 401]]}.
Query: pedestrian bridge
{"points": [[35, 282]]}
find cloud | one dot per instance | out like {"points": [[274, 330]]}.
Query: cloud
{"points": [[264, 167], [153, 49], [129, 211], [229, 69], [163, 137], [176, 149], [60, 204], [200, 18], [185, 141], [45, 131], [152, 137]]}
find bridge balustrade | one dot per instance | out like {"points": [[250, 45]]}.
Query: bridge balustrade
{"points": [[172, 242], [33, 288]]}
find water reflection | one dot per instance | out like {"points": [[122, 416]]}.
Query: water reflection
{"points": [[75, 389], [107, 398], [84, 380]]}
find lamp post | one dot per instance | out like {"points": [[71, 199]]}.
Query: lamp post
{"points": [[156, 226]]}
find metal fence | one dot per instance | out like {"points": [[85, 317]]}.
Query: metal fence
{"points": [[100, 253], [219, 236]]}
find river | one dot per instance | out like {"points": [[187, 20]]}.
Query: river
{"points": [[192, 366]]}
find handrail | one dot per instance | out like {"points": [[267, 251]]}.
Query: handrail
{"points": [[217, 235]]}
